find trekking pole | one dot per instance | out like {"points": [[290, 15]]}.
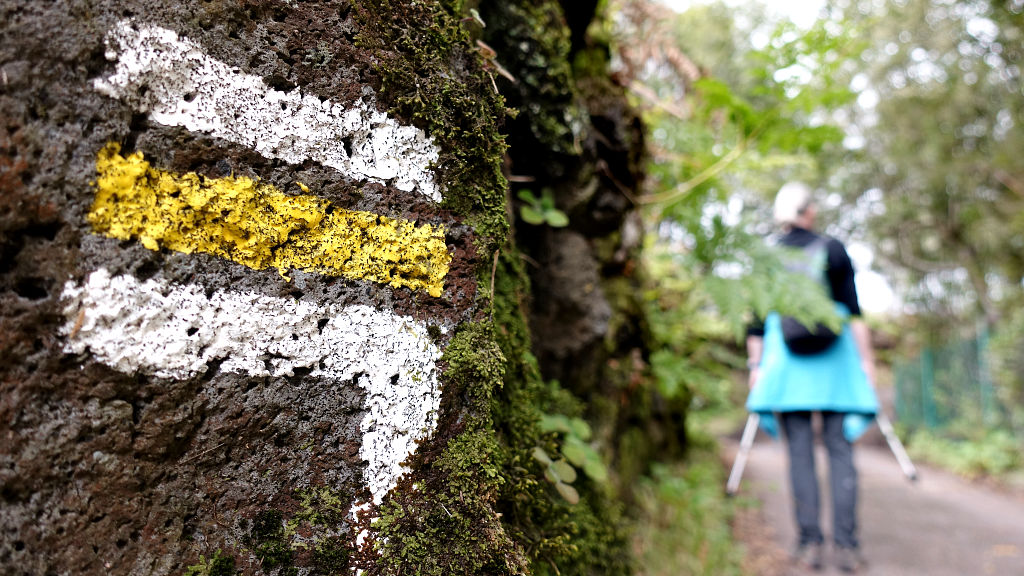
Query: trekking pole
{"points": [[896, 446], [749, 432]]}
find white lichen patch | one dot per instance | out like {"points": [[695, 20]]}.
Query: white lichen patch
{"points": [[173, 80], [176, 331]]}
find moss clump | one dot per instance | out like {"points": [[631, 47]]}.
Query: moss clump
{"points": [[217, 565], [268, 542], [447, 524], [320, 518], [429, 71], [323, 510], [330, 557], [321, 506], [534, 43], [585, 539]]}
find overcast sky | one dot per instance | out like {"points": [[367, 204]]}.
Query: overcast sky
{"points": [[801, 12]]}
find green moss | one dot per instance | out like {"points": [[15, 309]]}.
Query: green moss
{"points": [[476, 366], [322, 506], [586, 538], [217, 565], [320, 516], [330, 557], [534, 44], [477, 502], [268, 542], [430, 72], [448, 525]]}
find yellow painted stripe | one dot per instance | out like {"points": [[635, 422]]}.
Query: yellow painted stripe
{"points": [[256, 225]]}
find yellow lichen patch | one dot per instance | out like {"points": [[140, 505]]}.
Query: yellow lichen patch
{"points": [[258, 226]]}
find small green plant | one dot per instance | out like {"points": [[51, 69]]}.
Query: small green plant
{"points": [[538, 211], [575, 453], [560, 473], [216, 565]]}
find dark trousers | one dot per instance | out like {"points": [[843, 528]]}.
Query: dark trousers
{"points": [[804, 479]]}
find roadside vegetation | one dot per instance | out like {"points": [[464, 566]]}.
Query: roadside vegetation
{"points": [[906, 117]]}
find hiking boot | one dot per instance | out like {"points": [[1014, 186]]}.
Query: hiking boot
{"points": [[808, 555], [849, 560]]}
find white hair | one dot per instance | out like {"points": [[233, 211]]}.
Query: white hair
{"points": [[791, 201]]}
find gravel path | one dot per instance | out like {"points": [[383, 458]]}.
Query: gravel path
{"points": [[939, 526]]}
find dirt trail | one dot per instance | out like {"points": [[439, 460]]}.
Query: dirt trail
{"points": [[940, 526]]}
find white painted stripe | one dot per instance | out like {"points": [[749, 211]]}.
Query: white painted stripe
{"points": [[144, 326], [178, 84]]}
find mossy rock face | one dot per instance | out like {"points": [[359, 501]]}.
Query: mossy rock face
{"points": [[131, 466], [120, 464], [585, 309]]}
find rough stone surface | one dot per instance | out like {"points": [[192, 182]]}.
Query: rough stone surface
{"points": [[253, 457], [118, 464], [178, 332]]}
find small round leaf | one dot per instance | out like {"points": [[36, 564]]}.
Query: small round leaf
{"points": [[556, 218], [531, 215], [596, 470], [574, 451], [554, 423], [565, 472], [580, 428], [568, 492]]}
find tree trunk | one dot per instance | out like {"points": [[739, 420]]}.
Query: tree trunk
{"points": [[258, 308]]}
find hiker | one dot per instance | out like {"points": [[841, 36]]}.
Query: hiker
{"points": [[833, 375]]}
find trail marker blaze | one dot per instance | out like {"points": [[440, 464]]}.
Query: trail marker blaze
{"points": [[258, 226]]}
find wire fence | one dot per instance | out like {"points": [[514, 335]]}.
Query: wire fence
{"points": [[949, 390]]}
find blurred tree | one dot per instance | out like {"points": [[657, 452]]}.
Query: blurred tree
{"points": [[737, 104], [939, 168]]}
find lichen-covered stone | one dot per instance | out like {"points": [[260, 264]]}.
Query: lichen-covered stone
{"points": [[161, 395]]}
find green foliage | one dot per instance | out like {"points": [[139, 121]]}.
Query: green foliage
{"points": [[718, 286], [575, 447], [267, 540], [1008, 367], [940, 165], [758, 116], [541, 210], [994, 453], [575, 451], [216, 565], [684, 524], [587, 538]]}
